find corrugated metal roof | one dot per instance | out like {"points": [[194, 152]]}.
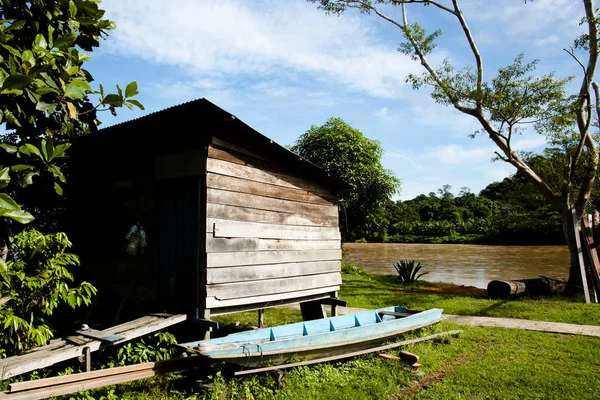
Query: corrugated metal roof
{"points": [[203, 111]]}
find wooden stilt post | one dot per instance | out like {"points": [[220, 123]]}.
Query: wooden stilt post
{"points": [[88, 359], [261, 317], [586, 290]]}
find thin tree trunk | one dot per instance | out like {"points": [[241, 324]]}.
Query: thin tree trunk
{"points": [[570, 226]]}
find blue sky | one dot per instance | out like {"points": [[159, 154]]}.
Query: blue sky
{"points": [[282, 66]]}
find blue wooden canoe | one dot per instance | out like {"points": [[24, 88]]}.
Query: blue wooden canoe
{"points": [[314, 339]]}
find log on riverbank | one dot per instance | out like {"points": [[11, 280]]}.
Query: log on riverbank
{"points": [[542, 286]]}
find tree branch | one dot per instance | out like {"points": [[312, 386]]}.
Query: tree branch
{"points": [[576, 59], [474, 50], [589, 71], [584, 113], [448, 91], [588, 182], [500, 156], [425, 2]]}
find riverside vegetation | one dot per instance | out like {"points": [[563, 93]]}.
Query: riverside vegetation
{"points": [[482, 363]]}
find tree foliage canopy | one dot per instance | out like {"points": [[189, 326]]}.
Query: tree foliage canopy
{"points": [[344, 152], [45, 93]]}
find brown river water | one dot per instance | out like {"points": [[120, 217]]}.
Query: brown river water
{"points": [[463, 264]]}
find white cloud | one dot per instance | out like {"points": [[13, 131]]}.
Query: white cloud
{"points": [[261, 38], [382, 113], [531, 143], [427, 113], [456, 154], [527, 22]]}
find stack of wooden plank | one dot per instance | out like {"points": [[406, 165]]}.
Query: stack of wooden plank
{"points": [[75, 346], [61, 385]]}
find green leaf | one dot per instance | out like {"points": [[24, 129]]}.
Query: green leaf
{"points": [[7, 203], [15, 25], [4, 177], [72, 8], [28, 177], [58, 189], [77, 90], [11, 118], [20, 216], [16, 81], [43, 147], [40, 41], [28, 57], [65, 40], [59, 151], [9, 148], [101, 91], [12, 50], [46, 107], [48, 148], [50, 35], [113, 100], [55, 170], [137, 104], [29, 149], [131, 89], [21, 167], [73, 70]]}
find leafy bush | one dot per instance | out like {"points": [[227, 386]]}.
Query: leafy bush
{"points": [[408, 270], [157, 347], [34, 284], [352, 269]]}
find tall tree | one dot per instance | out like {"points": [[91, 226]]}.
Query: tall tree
{"points": [[45, 100], [513, 97], [344, 152]]}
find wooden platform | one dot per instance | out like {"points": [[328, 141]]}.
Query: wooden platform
{"points": [[61, 350]]}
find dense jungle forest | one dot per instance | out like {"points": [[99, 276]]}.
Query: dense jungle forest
{"points": [[504, 213]]}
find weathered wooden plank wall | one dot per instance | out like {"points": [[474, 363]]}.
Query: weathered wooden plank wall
{"points": [[271, 236]]}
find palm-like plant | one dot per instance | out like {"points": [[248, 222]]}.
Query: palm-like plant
{"points": [[408, 270]]}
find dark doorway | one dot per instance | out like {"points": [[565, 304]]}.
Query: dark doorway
{"points": [[178, 249]]}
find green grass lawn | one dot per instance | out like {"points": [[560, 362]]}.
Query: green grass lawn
{"points": [[374, 291], [481, 363]]}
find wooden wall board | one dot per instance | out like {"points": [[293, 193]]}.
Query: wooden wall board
{"points": [[236, 158], [228, 259], [217, 196], [272, 286], [238, 149], [270, 217], [254, 174], [213, 302], [217, 245], [231, 229], [270, 271], [242, 185]]}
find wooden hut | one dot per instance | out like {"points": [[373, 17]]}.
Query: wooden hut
{"points": [[232, 220]]}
